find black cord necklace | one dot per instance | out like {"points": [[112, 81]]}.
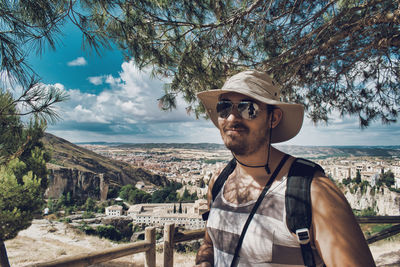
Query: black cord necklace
{"points": [[255, 166]]}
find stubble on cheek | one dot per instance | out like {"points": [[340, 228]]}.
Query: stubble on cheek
{"points": [[234, 138]]}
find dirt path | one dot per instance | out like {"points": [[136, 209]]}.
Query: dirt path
{"points": [[45, 241]]}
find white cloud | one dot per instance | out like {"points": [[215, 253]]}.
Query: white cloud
{"points": [[96, 80], [82, 114], [80, 61], [345, 131], [129, 98], [112, 81], [59, 86]]}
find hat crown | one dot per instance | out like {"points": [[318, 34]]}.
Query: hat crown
{"points": [[253, 82]]}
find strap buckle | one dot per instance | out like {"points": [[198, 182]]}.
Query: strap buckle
{"points": [[205, 215], [303, 236]]}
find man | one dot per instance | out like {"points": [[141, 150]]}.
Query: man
{"points": [[250, 117]]}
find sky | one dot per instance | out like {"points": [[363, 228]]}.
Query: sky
{"points": [[110, 100]]}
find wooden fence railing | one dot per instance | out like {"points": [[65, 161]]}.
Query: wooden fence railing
{"points": [[86, 259], [171, 237], [391, 231]]}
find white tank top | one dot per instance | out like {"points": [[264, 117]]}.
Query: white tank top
{"points": [[267, 242]]}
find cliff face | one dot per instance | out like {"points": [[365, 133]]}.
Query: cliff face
{"points": [[84, 173], [383, 201], [80, 184]]}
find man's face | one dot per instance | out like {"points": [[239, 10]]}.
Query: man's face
{"points": [[243, 136]]}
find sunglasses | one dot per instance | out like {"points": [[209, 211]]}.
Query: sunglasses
{"points": [[247, 109]]}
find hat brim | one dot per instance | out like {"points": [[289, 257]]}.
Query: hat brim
{"points": [[288, 127]]}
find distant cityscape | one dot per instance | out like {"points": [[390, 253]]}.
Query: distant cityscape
{"points": [[193, 165]]}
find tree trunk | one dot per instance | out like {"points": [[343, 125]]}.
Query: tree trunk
{"points": [[3, 255]]}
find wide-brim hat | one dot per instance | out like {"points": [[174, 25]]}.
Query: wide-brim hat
{"points": [[259, 86]]}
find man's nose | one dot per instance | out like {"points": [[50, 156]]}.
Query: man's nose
{"points": [[234, 115]]}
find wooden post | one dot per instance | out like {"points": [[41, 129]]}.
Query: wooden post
{"points": [[3, 255], [150, 235], [169, 231]]}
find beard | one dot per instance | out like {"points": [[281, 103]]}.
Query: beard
{"points": [[245, 143]]}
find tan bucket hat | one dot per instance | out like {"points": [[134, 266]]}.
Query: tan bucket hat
{"points": [[259, 86]]}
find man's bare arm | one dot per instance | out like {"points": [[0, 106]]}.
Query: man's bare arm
{"points": [[205, 254], [337, 235]]}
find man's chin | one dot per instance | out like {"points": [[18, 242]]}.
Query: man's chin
{"points": [[238, 148]]}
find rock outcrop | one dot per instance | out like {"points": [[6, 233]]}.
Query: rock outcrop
{"points": [[81, 184], [381, 200]]}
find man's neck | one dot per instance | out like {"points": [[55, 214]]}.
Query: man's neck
{"points": [[258, 159]]}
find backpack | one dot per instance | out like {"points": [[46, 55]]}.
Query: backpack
{"points": [[297, 201]]}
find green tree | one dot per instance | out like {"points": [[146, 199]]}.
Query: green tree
{"points": [[26, 27], [172, 196], [330, 55], [202, 184], [23, 175], [133, 195], [61, 202], [11, 130], [19, 202], [139, 196], [346, 181], [68, 199], [108, 231], [186, 194], [90, 204], [167, 194], [387, 178], [125, 191], [180, 207], [357, 180], [51, 205], [113, 192], [194, 196]]}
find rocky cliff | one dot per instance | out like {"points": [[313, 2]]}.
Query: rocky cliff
{"points": [[84, 173], [382, 200]]}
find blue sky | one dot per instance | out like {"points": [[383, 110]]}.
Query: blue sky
{"points": [[112, 101]]}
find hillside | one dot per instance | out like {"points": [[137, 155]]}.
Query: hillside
{"points": [[299, 151], [83, 172]]}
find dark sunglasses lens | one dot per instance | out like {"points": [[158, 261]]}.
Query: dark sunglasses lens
{"points": [[224, 108], [248, 110]]}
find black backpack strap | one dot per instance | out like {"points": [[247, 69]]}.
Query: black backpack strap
{"points": [[219, 182], [298, 204]]}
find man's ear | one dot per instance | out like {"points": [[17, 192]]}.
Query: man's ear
{"points": [[276, 116]]}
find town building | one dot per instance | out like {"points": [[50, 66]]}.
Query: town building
{"points": [[114, 210], [158, 214], [370, 170]]}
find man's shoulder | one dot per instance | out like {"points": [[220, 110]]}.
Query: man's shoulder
{"points": [[215, 176], [305, 167], [212, 181]]}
